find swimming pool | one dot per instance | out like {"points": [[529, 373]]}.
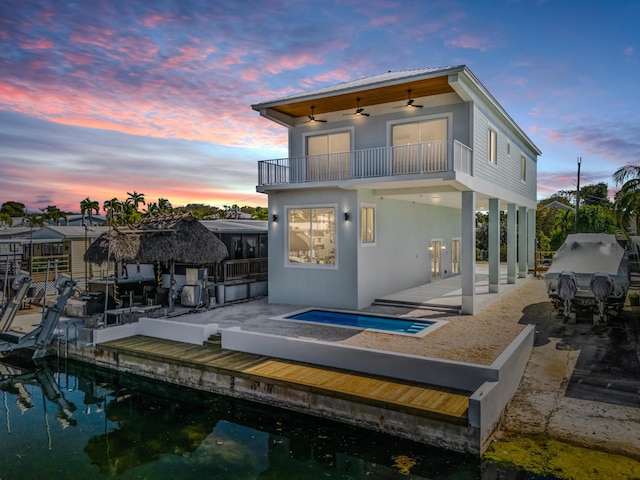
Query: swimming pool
{"points": [[406, 326]]}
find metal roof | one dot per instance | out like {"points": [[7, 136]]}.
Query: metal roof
{"points": [[236, 226]]}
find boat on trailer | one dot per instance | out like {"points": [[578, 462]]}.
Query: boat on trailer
{"points": [[589, 273]]}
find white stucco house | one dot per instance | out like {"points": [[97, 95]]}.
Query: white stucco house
{"points": [[381, 185]]}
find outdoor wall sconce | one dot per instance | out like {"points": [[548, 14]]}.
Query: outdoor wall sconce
{"points": [[431, 249], [444, 247], [347, 217], [275, 217]]}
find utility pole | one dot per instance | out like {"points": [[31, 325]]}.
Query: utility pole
{"points": [[577, 194]]}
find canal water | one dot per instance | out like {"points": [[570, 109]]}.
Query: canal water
{"points": [[66, 420]]}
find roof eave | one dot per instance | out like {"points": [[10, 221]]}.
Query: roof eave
{"points": [[322, 93]]}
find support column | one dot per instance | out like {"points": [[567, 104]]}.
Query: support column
{"points": [[511, 243], [494, 245], [522, 242], [531, 238], [468, 252]]}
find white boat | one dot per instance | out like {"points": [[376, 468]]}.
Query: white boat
{"points": [[589, 272]]}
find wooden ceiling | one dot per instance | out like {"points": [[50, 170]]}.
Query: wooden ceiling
{"points": [[374, 96]]}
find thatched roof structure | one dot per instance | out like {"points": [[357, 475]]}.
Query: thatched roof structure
{"points": [[177, 238]]}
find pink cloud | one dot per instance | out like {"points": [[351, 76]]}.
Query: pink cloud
{"points": [[37, 44], [384, 20], [469, 42]]}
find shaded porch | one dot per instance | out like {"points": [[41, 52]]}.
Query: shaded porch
{"points": [[447, 292]]}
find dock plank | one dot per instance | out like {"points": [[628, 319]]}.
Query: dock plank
{"points": [[444, 402]]}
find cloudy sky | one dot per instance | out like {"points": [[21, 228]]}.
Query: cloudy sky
{"points": [[103, 97]]}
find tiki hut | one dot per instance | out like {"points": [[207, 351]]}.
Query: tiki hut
{"points": [[164, 240]]}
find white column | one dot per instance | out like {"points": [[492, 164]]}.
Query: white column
{"points": [[531, 238], [511, 243], [522, 242], [468, 252], [494, 245]]}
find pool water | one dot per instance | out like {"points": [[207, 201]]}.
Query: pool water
{"points": [[358, 320]]}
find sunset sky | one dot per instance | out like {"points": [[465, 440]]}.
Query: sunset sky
{"points": [[100, 98]]}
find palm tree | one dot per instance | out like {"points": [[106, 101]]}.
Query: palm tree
{"points": [[152, 210], [129, 214], [88, 206], [626, 203], [164, 206], [111, 207], [135, 199]]}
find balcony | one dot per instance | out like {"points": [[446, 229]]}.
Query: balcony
{"points": [[427, 159]]}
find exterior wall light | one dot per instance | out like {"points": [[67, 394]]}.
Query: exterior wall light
{"points": [[444, 247], [347, 217], [275, 217]]}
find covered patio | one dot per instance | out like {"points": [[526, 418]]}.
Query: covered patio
{"points": [[446, 293]]}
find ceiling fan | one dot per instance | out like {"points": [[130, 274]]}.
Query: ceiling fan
{"points": [[409, 103], [358, 111], [313, 119]]}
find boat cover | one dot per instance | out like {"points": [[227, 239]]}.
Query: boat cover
{"points": [[590, 253]]}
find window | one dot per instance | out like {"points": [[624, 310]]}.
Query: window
{"points": [[328, 156], [312, 235], [492, 146], [368, 224], [523, 168], [420, 146]]}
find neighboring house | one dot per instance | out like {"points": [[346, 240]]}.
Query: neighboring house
{"points": [[12, 247], [382, 182], [244, 238], [67, 246], [244, 272], [75, 220], [559, 205]]}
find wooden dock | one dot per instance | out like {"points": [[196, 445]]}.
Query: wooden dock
{"points": [[438, 403]]}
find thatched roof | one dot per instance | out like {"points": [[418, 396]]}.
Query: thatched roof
{"points": [[179, 238]]}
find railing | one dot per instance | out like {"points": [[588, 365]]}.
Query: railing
{"points": [[415, 159], [237, 271], [55, 264]]}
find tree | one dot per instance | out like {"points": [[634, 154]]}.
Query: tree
{"points": [[152, 210], [595, 194], [88, 206], [110, 207], [626, 203], [14, 209], [164, 206], [129, 214], [51, 212], [135, 199], [595, 219], [5, 220], [260, 214], [34, 219]]}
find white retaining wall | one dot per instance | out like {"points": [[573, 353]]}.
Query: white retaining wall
{"points": [[158, 328]]}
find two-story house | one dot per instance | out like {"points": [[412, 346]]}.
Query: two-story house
{"points": [[382, 183]]}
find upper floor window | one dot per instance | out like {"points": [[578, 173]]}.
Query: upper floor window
{"points": [[312, 235], [328, 156], [523, 168], [420, 146], [492, 146], [368, 224]]}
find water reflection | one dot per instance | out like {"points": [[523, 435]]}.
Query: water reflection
{"points": [[136, 428]]}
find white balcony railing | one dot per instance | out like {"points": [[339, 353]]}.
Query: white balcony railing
{"points": [[416, 159]]}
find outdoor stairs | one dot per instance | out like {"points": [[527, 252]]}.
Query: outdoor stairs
{"points": [[214, 341], [418, 305]]}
